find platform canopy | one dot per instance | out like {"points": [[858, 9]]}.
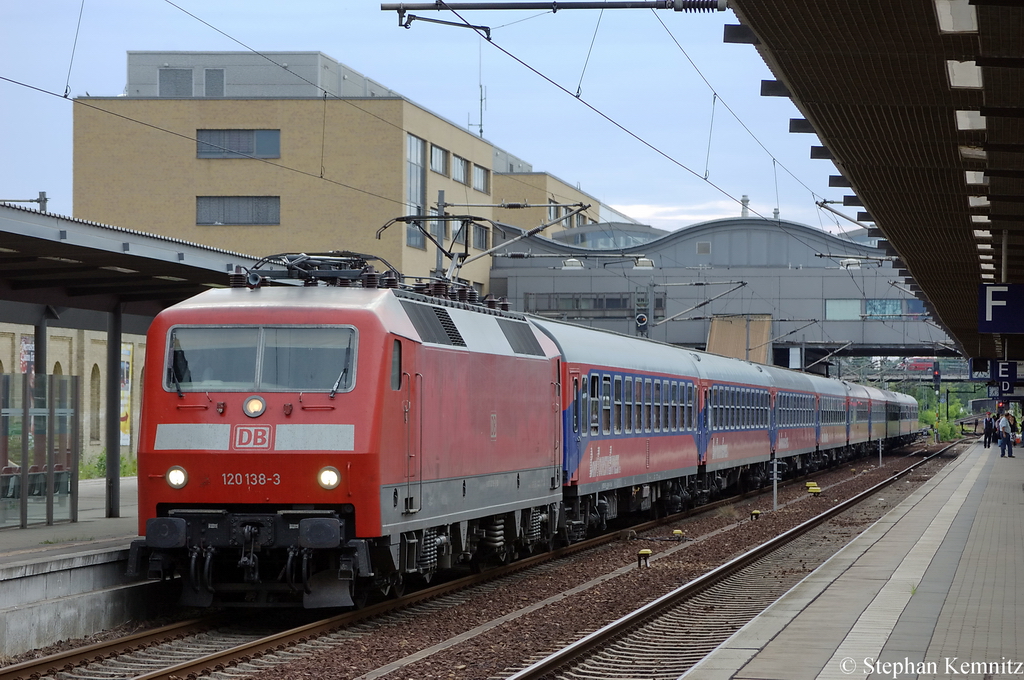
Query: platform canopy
{"points": [[61, 262], [920, 105]]}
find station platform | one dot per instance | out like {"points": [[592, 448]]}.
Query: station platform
{"points": [[69, 580], [93, 530], [929, 591]]}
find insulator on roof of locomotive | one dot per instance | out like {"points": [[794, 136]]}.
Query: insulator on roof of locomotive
{"points": [[491, 301], [503, 303], [389, 279], [462, 294], [700, 5], [474, 296], [236, 279], [369, 277]]}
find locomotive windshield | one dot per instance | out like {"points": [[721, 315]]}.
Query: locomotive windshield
{"points": [[261, 358]]}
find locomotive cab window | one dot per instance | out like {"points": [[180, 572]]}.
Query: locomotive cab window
{"points": [[261, 358]]}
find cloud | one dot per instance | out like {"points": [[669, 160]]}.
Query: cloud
{"points": [[672, 217]]}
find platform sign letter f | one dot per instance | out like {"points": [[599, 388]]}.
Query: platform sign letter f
{"points": [[990, 302]]}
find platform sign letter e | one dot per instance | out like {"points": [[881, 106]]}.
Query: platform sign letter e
{"points": [[1000, 307], [1005, 373]]}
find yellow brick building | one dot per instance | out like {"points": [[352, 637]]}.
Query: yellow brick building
{"points": [[300, 155]]}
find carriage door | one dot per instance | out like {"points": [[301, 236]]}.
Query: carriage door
{"points": [[556, 415], [412, 422], [573, 422]]}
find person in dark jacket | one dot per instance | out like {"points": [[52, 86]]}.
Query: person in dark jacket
{"points": [[990, 428]]}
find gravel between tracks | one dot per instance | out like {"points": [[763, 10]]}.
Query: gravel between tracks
{"points": [[716, 538]]}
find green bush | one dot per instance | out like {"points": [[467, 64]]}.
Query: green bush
{"points": [[97, 468], [948, 431]]}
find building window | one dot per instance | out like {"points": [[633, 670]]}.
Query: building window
{"points": [[703, 247], [842, 310], [238, 143], [438, 228], [214, 82], [881, 309], [587, 305], [439, 160], [915, 307], [235, 210], [175, 82], [480, 236], [552, 211], [460, 170], [459, 232], [481, 179], [416, 196]]}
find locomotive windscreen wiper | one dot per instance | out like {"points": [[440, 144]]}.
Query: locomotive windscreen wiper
{"points": [[337, 383], [344, 371]]}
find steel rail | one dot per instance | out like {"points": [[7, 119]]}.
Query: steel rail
{"points": [[592, 642], [50, 665]]}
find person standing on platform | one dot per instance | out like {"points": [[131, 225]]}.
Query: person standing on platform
{"points": [[990, 428], [1005, 434]]}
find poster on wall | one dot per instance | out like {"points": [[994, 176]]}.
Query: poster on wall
{"points": [[126, 394], [27, 354]]}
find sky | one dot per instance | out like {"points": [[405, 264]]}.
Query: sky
{"points": [[648, 111]]}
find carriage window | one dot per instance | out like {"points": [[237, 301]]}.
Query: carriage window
{"points": [[584, 408], [648, 403], [606, 405], [617, 414], [268, 358], [629, 405], [673, 407], [575, 404], [595, 405], [638, 409], [716, 407], [396, 365], [690, 407], [657, 406]]}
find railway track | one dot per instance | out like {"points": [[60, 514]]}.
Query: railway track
{"points": [[664, 638], [190, 648]]}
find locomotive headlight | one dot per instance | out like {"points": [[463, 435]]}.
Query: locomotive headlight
{"points": [[177, 477], [329, 477], [254, 406]]}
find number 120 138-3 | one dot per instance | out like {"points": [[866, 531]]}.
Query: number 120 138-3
{"points": [[249, 479]]}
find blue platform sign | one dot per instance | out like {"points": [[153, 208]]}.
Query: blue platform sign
{"points": [[1001, 308], [1005, 375]]}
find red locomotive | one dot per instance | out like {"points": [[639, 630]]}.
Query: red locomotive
{"points": [[321, 443]]}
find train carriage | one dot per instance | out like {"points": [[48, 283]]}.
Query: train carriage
{"points": [[859, 416], [832, 417]]}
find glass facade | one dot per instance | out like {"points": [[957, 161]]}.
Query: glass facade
{"points": [[38, 449]]}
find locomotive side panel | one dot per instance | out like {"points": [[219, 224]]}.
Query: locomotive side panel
{"points": [[481, 438]]}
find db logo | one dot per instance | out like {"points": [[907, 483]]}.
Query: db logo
{"points": [[252, 437]]}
